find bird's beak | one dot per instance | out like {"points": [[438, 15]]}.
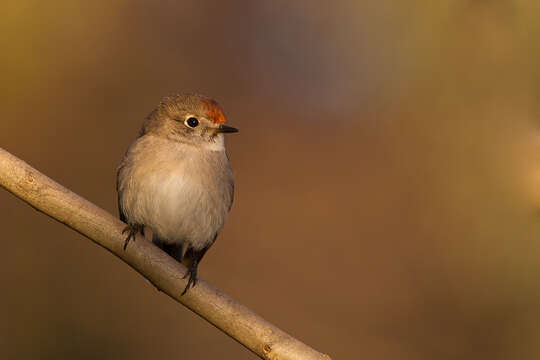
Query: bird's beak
{"points": [[226, 129]]}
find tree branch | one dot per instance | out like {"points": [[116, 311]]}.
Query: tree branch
{"points": [[237, 321]]}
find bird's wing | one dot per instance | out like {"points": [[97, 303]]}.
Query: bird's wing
{"points": [[231, 191], [119, 192]]}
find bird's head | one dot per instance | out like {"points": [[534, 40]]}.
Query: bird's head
{"points": [[188, 118]]}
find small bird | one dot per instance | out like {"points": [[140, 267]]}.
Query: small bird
{"points": [[176, 179]]}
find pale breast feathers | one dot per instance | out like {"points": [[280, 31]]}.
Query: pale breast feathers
{"points": [[182, 193]]}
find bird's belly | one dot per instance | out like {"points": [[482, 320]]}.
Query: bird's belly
{"points": [[178, 208]]}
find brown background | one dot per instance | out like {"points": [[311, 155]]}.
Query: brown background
{"points": [[387, 173]]}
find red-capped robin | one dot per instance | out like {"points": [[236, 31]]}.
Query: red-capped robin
{"points": [[176, 179]]}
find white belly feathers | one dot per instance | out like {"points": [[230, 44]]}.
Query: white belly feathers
{"points": [[183, 195]]}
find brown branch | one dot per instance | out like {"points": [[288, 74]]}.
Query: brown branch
{"points": [[237, 321]]}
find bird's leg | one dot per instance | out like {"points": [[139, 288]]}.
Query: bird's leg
{"points": [[192, 272], [132, 230], [195, 257]]}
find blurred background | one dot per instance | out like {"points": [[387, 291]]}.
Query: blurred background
{"points": [[387, 173]]}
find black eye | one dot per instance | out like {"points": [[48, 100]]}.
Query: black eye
{"points": [[192, 122]]}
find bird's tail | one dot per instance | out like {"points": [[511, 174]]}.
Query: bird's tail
{"points": [[176, 251]]}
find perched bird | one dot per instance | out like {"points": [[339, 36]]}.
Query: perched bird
{"points": [[176, 179]]}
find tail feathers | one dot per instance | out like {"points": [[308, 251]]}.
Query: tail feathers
{"points": [[184, 254], [176, 251]]}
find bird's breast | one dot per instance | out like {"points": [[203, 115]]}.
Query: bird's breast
{"points": [[181, 192]]}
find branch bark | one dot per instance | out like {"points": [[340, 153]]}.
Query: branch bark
{"points": [[234, 319]]}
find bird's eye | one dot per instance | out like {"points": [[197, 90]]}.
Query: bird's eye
{"points": [[192, 122]]}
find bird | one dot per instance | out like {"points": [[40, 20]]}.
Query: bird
{"points": [[176, 179]]}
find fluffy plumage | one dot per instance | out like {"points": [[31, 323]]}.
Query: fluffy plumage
{"points": [[177, 180]]}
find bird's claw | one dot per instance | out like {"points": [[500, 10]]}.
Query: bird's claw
{"points": [[192, 273], [133, 230]]}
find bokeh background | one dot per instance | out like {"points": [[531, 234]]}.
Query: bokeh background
{"points": [[387, 168]]}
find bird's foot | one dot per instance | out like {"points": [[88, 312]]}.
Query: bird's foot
{"points": [[192, 272], [132, 230]]}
